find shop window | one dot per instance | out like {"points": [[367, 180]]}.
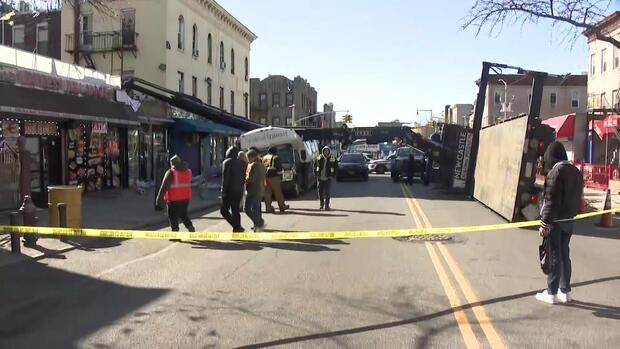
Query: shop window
{"points": [[275, 100], [181, 82], [232, 102], [19, 37], [181, 34], [42, 39]]}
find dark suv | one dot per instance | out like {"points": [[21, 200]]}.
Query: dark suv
{"points": [[352, 165]]}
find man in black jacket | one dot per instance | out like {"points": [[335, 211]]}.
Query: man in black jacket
{"points": [[562, 194], [325, 168], [233, 185]]}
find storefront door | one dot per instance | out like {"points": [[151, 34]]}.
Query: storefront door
{"points": [[45, 166]]}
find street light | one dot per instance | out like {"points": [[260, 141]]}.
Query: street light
{"points": [[319, 114]]}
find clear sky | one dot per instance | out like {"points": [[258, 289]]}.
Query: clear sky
{"points": [[383, 60]]}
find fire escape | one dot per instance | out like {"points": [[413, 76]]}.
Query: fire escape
{"points": [[111, 42]]}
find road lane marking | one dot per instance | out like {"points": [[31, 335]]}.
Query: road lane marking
{"points": [[471, 342], [481, 316], [459, 315], [479, 312]]}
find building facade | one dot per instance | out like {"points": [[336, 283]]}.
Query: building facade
{"points": [[458, 114], [36, 32], [561, 96], [604, 66], [190, 46], [276, 100]]}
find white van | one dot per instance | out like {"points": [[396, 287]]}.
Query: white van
{"points": [[295, 155]]}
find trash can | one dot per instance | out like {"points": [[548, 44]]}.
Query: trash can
{"points": [[72, 197]]}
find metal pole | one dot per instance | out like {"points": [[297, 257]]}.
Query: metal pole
{"points": [[29, 218], [480, 101], [16, 247]]}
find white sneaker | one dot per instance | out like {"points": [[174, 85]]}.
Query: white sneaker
{"points": [[544, 296], [564, 297]]}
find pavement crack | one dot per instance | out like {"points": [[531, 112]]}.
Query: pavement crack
{"points": [[239, 267]]}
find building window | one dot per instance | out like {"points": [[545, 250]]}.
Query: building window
{"points": [[181, 82], [263, 121], [614, 99], [574, 99], [553, 99], [276, 121], [209, 91], [247, 69], [497, 98], [232, 61], [275, 100], [246, 106], [603, 101], [222, 61], [222, 98], [615, 57], [232, 102], [18, 37], [194, 86], [603, 60], [592, 65], [289, 121], [289, 99], [42, 39], [181, 34], [262, 100], [209, 49], [195, 41]]}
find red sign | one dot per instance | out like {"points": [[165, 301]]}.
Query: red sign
{"points": [[100, 127], [32, 128], [53, 83]]}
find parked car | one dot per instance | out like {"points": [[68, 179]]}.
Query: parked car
{"points": [[381, 166], [352, 165], [402, 158]]}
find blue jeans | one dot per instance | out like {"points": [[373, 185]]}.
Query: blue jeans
{"points": [[253, 210], [560, 275]]}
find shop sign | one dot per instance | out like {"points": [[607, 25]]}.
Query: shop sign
{"points": [[462, 159], [34, 79], [100, 127], [33, 128]]}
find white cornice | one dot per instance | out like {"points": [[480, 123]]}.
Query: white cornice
{"points": [[220, 13]]}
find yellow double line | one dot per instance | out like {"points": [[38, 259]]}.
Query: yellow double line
{"points": [[422, 221]]}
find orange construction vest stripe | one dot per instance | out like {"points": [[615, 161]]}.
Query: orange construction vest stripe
{"points": [[181, 187]]}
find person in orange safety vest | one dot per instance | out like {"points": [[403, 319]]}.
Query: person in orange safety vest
{"points": [[176, 191]]}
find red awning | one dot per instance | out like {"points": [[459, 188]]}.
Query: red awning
{"points": [[601, 129], [612, 121], [564, 125]]}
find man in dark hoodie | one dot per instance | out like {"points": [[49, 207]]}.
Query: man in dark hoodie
{"points": [[325, 167], [233, 185], [176, 191], [562, 194]]}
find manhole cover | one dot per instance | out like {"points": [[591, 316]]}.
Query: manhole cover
{"points": [[432, 237]]}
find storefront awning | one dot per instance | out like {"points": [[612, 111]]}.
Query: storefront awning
{"points": [[53, 105], [564, 125], [189, 125]]}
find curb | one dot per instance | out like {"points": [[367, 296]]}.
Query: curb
{"points": [[41, 255]]}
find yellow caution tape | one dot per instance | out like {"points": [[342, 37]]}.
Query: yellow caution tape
{"points": [[223, 236]]}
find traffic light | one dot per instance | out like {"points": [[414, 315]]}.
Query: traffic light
{"points": [[347, 119]]}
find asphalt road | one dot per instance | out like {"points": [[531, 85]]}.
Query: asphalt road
{"points": [[476, 290]]}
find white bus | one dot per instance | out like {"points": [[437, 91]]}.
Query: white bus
{"points": [[295, 155]]}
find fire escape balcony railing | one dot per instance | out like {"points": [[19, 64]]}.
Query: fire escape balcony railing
{"points": [[102, 41]]}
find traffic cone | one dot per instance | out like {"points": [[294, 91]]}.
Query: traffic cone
{"points": [[607, 219]]}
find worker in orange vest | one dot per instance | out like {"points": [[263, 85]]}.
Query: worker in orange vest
{"points": [[176, 191]]}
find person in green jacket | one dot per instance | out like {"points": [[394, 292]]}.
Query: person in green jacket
{"points": [[255, 189]]}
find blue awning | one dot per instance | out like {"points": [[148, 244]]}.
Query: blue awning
{"points": [[190, 125]]}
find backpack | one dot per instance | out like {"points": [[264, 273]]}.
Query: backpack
{"points": [[546, 256]]}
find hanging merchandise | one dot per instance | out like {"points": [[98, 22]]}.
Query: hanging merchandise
{"points": [[96, 160], [76, 154]]}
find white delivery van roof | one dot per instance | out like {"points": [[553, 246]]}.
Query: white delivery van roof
{"points": [[267, 137]]}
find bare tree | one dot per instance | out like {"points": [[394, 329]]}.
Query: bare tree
{"points": [[574, 16]]}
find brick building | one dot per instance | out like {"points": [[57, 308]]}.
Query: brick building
{"points": [[36, 32], [272, 100]]}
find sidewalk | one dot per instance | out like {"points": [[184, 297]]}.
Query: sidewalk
{"points": [[595, 199], [123, 209]]}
